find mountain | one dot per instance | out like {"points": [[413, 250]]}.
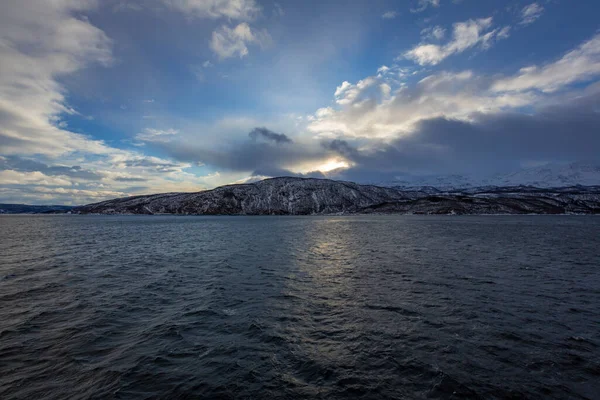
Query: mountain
{"points": [[432, 182], [544, 176], [305, 196], [27, 209], [277, 196], [552, 175]]}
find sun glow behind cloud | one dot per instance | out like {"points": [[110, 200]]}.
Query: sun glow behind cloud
{"points": [[332, 164]]}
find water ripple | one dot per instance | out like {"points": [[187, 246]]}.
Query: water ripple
{"points": [[299, 307]]}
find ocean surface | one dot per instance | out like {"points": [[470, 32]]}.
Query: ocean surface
{"points": [[373, 307]]}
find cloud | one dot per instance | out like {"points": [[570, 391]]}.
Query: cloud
{"points": [[142, 162], [484, 144], [156, 135], [38, 46], [57, 195], [129, 179], [503, 33], [126, 6], [264, 133], [423, 4], [434, 32], [20, 164], [278, 11], [11, 177], [227, 42], [383, 69], [389, 15], [245, 10], [531, 13], [20, 178], [462, 122], [275, 150], [465, 35], [348, 93], [368, 110], [198, 73], [41, 161], [578, 65], [270, 172]]}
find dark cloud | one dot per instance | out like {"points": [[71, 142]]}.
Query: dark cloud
{"points": [[26, 165], [275, 171], [343, 148], [247, 155], [484, 145], [267, 134], [487, 144]]}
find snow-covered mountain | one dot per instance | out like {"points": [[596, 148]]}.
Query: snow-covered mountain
{"points": [[544, 176], [303, 196], [276, 196], [432, 182], [552, 175]]}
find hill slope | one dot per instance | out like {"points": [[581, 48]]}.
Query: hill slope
{"points": [[277, 196], [302, 196]]}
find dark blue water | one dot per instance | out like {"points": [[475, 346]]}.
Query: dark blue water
{"points": [[299, 307]]}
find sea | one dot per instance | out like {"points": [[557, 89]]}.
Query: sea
{"points": [[311, 307]]}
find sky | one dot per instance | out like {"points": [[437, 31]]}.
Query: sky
{"points": [[111, 98]]}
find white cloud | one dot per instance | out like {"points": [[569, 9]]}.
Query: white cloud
{"points": [[198, 73], [324, 112], [503, 33], [56, 195], [37, 46], [389, 15], [382, 108], [465, 35], [577, 65], [531, 13], [348, 93], [423, 4], [278, 11], [156, 135], [244, 10], [126, 6], [379, 107], [227, 42], [434, 32], [10, 177], [383, 69]]}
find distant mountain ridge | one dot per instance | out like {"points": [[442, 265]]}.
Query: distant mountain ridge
{"points": [[29, 209], [552, 175], [544, 176], [310, 196], [560, 188]]}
